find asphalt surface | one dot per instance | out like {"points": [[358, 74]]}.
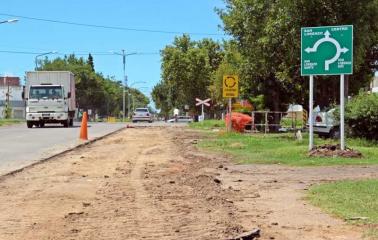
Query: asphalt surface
{"points": [[21, 146]]}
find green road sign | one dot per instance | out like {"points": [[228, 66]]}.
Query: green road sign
{"points": [[327, 50]]}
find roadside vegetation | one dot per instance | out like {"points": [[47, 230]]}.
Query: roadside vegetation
{"points": [[208, 125], [4, 122], [281, 148], [263, 49], [354, 201], [103, 95]]}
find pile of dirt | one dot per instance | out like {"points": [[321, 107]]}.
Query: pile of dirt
{"points": [[331, 150]]}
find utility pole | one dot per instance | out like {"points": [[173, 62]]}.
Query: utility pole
{"points": [[124, 84], [124, 55], [7, 102]]}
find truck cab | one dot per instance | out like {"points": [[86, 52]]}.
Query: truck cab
{"points": [[49, 98]]}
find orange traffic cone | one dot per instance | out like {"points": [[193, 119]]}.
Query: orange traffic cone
{"points": [[84, 127]]}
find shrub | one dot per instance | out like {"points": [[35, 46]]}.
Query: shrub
{"points": [[361, 116]]}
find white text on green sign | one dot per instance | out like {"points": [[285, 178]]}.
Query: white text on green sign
{"points": [[327, 50]]}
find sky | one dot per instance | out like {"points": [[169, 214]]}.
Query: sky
{"points": [[34, 37]]}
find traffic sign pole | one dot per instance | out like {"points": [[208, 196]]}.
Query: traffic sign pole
{"points": [[311, 113], [334, 57], [203, 114], [229, 115], [342, 103]]}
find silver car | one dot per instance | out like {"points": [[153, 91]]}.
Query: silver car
{"points": [[325, 124], [142, 114]]}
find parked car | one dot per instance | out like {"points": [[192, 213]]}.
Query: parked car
{"points": [[325, 124], [181, 119], [142, 114]]}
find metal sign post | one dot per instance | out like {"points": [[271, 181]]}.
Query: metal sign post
{"points": [[229, 125], [327, 51], [311, 113], [342, 103]]}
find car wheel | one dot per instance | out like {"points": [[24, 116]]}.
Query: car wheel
{"points": [[334, 133], [29, 124]]}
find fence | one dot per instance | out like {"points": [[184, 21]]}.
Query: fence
{"points": [[274, 121]]}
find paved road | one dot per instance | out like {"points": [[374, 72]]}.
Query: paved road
{"points": [[20, 146]]}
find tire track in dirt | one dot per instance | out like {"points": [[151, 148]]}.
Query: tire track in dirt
{"points": [[137, 184]]}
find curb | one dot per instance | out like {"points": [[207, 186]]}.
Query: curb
{"points": [[43, 160]]}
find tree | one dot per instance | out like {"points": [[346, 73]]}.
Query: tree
{"points": [[90, 62], [187, 69], [268, 37], [93, 91]]}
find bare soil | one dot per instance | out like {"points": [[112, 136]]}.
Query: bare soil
{"points": [[330, 150], [153, 183]]}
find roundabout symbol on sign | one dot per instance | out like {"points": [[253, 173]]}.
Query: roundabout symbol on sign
{"points": [[230, 82], [327, 38]]}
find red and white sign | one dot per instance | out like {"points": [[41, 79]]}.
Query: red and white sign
{"points": [[203, 102]]}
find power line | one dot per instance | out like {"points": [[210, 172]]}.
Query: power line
{"points": [[110, 27], [78, 53]]}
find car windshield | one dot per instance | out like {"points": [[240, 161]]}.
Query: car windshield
{"points": [[141, 110], [46, 92]]}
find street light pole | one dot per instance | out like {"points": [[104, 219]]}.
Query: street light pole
{"points": [[39, 55], [131, 85], [124, 55], [9, 21]]}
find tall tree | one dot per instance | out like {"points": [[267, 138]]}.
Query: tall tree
{"points": [[90, 62], [93, 91], [268, 36], [187, 69]]}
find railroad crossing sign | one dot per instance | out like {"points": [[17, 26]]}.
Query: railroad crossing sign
{"points": [[230, 86], [327, 50], [202, 103]]}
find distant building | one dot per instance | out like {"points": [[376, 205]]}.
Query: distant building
{"points": [[11, 81], [11, 86]]}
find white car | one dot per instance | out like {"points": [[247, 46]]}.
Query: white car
{"points": [[142, 114], [325, 124], [181, 119]]}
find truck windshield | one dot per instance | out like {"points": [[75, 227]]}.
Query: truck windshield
{"points": [[46, 92]]}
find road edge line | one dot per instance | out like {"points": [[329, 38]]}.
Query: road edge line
{"points": [[43, 160]]}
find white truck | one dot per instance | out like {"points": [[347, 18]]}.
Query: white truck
{"points": [[50, 98]]}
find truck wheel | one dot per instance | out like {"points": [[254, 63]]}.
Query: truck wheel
{"points": [[66, 123], [29, 124]]}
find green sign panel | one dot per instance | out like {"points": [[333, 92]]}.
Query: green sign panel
{"points": [[327, 50]]}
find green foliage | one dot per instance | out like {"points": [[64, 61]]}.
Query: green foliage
{"points": [[288, 122], [187, 70], [258, 102], [257, 148], [348, 199], [93, 91], [268, 37], [7, 112], [361, 115], [5, 122], [208, 124]]}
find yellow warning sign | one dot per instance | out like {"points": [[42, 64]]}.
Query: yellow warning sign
{"points": [[230, 86]]}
